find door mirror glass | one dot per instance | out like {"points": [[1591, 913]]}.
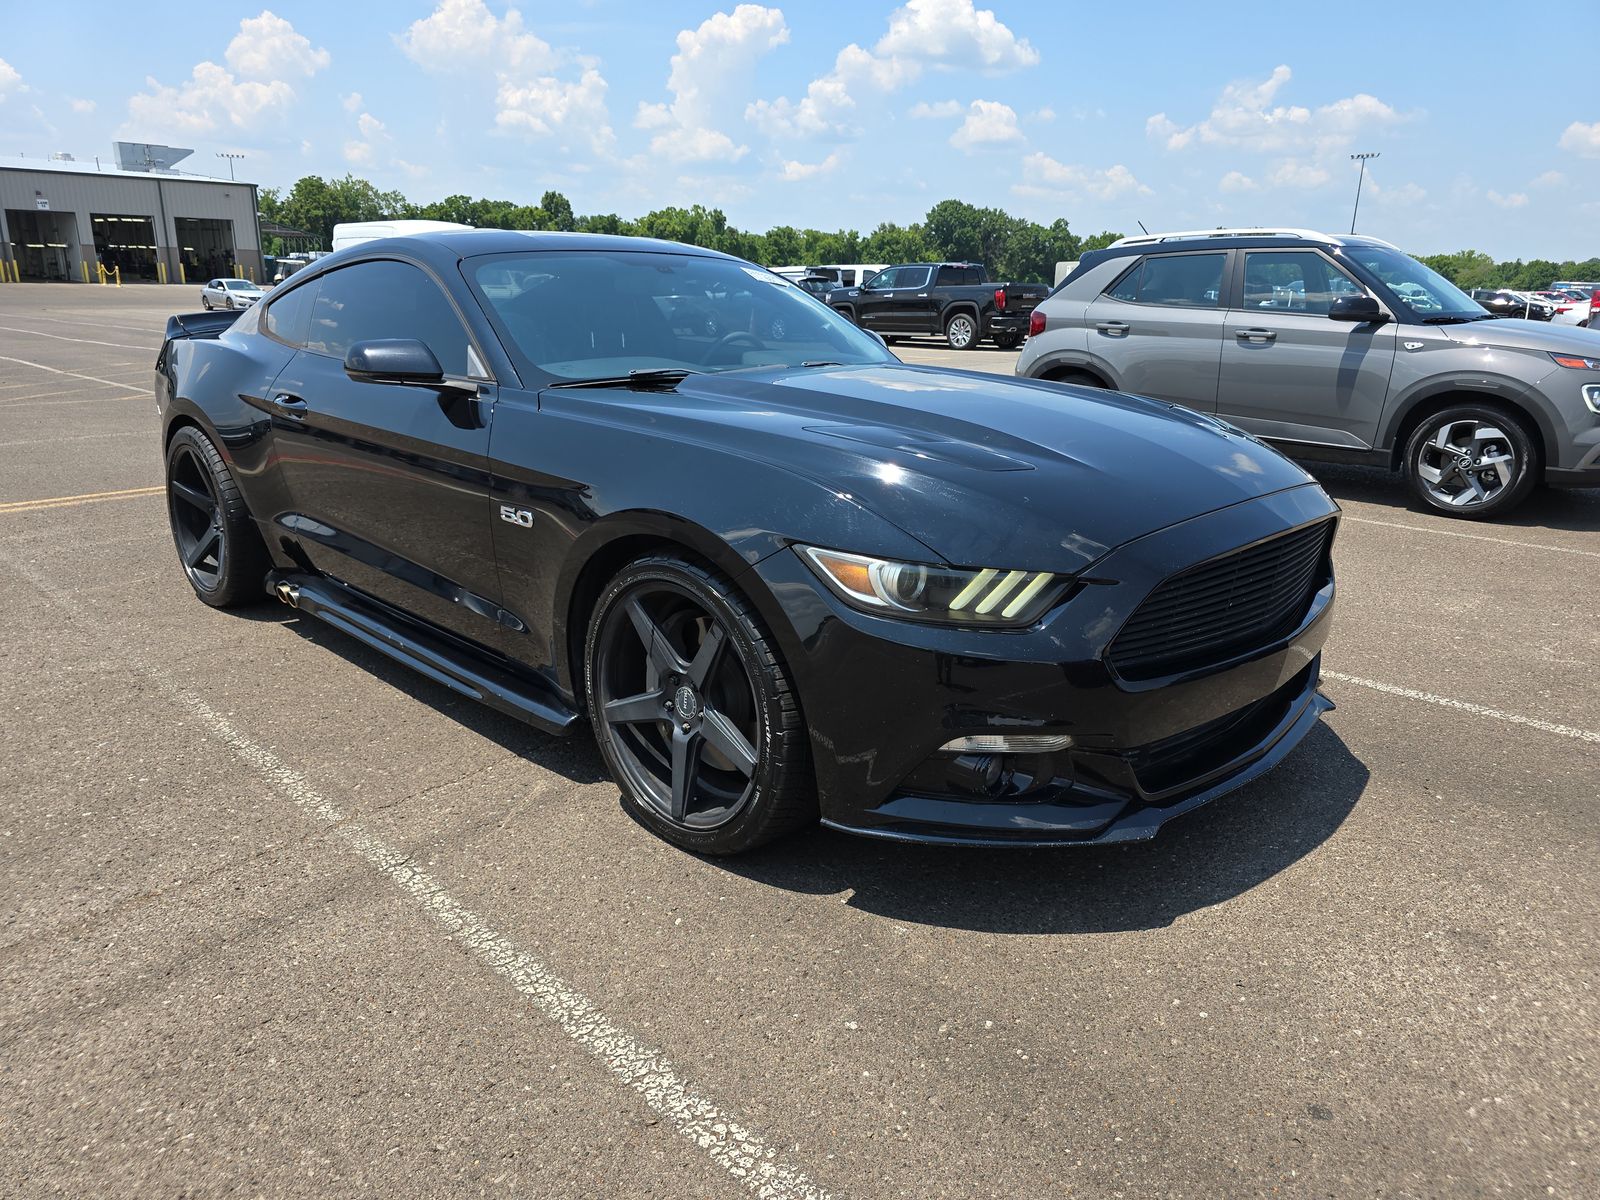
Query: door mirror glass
{"points": [[1356, 308], [393, 360]]}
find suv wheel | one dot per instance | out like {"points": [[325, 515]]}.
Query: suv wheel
{"points": [[1008, 341], [1471, 460], [961, 331]]}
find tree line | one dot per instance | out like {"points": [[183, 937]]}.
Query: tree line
{"points": [[1010, 247]]}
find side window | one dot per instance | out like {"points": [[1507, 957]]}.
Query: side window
{"points": [[386, 300], [289, 315], [913, 277], [1293, 281], [1127, 288], [954, 276], [884, 280], [1187, 280]]}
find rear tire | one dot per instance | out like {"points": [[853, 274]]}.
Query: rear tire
{"points": [[961, 332], [1473, 461], [694, 710], [205, 302], [1008, 341], [218, 543]]}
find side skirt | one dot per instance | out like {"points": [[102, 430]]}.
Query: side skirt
{"points": [[434, 657]]}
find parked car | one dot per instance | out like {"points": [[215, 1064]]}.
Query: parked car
{"points": [[1500, 302], [1572, 307], [957, 300], [816, 285], [229, 293], [1333, 347], [782, 578]]}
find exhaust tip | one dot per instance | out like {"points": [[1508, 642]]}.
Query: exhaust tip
{"points": [[289, 594]]}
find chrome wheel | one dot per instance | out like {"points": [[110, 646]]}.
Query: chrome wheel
{"points": [[1466, 463], [198, 523], [961, 332], [679, 706]]}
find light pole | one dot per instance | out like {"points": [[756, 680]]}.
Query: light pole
{"points": [[230, 158], [1362, 159]]}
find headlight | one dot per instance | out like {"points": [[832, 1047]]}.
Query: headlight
{"points": [[1576, 362], [918, 591]]}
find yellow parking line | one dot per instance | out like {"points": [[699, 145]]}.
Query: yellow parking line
{"points": [[22, 506]]}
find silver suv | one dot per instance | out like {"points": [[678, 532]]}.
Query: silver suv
{"points": [[1335, 348]]}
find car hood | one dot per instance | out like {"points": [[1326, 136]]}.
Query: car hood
{"points": [[984, 470], [1514, 333]]}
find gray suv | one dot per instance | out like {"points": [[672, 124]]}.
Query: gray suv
{"points": [[1335, 348]]}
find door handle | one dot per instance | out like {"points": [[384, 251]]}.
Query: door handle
{"points": [[290, 405], [922, 295], [1113, 327], [1263, 336]]}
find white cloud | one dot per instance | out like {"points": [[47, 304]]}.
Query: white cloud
{"points": [[370, 126], [352, 102], [1047, 177], [214, 95], [10, 81], [358, 153], [546, 105], [1043, 114], [83, 106], [1582, 139], [410, 168], [1245, 115], [1514, 200], [988, 123], [464, 33], [938, 110], [794, 171], [267, 47], [464, 36], [1292, 172], [1237, 181], [711, 63], [1549, 179], [939, 34]]}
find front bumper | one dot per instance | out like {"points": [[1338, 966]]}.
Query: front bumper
{"points": [[882, 696]]}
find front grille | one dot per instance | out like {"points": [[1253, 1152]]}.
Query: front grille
{"points": [[1212, 612]]}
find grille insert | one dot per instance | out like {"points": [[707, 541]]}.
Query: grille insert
{"points": [[1221, 608]]}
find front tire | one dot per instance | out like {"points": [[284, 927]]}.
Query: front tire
{"points": [[217, 541], [1473, 461], [961, 332], [694, 710]]}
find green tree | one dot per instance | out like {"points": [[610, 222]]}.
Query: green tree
{"points": [[890, 243], [558, 211]]}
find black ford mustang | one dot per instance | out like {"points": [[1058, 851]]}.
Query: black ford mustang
{"points": [[783, 574]]}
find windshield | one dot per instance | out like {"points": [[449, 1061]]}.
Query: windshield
{"points": [[1425, 292], [597, 314]]}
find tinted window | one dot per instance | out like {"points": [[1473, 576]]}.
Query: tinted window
{"points": [[912, 277], [600, 314], [1293, 281], [1188, 280], [958, 276], [373, 300], [884, 280], [289, 315]]}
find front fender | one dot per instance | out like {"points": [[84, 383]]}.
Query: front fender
{"points": [[1522, 396]]}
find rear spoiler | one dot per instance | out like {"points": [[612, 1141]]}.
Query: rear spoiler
{"points": [[199, 325]]}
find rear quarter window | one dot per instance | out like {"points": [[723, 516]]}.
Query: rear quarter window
{"points": [[1177, 280], [289, 315]]}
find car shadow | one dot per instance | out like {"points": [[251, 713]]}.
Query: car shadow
{"points": [[574, 758], [1576, 510], [1205, 858]]}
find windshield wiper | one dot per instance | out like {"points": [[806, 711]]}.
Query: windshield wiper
{"points": [[1459, 319], [821, 362], [661, 379]]}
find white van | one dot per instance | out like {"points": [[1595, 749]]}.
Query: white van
{"points": [[353, 233]]}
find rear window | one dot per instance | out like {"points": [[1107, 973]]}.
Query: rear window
{"points": [[1184, 280]]}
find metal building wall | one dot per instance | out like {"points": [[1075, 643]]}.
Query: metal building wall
{"points": [[163, 198]]}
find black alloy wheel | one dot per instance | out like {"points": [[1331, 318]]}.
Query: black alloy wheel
{"points": [[220, 549], [693, 710]]}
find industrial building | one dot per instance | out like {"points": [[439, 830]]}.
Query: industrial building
{"points": [[65, 220]]}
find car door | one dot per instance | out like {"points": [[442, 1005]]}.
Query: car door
{"points": [[387, 484], [1291, 373], [913, 303], [875, 301], [213, 291], [1158, 327]]}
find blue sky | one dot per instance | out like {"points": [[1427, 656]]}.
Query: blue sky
{"points": [[847, 114]]}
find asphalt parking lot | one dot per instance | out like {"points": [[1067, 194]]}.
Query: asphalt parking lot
{"points": [[283, 919]]}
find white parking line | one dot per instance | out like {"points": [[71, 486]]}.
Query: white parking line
{"points": [[739, 1151], [1476, 537], [1582, 735], [82, 341], [22, 362]]}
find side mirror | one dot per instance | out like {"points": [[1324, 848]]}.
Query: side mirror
{"points": [[1361, 309], [394, 360], [876, 336]]}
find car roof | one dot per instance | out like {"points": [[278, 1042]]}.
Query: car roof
{"points": [[470, 243]]}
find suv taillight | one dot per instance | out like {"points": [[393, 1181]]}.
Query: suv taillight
{"points": [[1035, 322], [1000, 299]]}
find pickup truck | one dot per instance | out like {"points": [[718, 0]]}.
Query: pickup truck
{"points": [[957, 300]]}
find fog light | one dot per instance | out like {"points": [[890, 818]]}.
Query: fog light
{"points": [[1007, 743]]}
